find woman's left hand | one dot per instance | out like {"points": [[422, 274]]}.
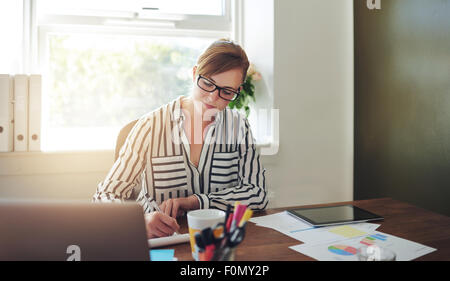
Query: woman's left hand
{"points": [[177, 206]]}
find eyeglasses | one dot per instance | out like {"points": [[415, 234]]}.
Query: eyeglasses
{"points": [[209, 86]]}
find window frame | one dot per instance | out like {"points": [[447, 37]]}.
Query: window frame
{"points": [[36, 44], [147, 19], [173, 25], [167, 25]]}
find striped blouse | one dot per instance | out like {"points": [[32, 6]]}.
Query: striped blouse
{"points": [[155, 158]]}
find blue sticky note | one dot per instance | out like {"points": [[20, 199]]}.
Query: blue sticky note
{"points": [[162, 255]]}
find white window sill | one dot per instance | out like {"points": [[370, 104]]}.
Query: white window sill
{"points": [[58, 162], [70, 162]]}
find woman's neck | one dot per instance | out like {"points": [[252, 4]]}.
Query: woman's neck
{"points": [[193, 110], [196, 121]]}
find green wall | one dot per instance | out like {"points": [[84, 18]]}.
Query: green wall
{"points": [[402, 102]]}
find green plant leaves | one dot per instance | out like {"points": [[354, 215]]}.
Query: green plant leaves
{"points": [[243, 100]]}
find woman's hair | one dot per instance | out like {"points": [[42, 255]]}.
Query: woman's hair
{"points": [[221, 56]]}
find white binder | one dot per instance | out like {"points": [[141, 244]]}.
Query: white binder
{"points": [[34, 110], [6, 113], [20, 113]]}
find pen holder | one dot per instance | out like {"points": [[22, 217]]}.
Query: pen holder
{"points": [[199, 220], [228, 255]]}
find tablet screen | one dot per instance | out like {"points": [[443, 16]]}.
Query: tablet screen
{"points": [[334, 215]]}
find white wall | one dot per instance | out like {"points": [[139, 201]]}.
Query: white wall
{"points": [[58, 175], [314, 92], [304, 50], [306, 59]]}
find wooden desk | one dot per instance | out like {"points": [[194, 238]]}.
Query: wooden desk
{"points": [[401, 219]]}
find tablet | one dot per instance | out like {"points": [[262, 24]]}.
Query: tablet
{"points": [[325, 216]]}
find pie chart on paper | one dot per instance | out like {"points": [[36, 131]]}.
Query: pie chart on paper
{"points": [[342, 250]]}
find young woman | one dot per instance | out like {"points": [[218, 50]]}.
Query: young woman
{"points": [[194, 152]]}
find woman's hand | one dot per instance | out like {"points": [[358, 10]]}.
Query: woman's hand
{"points": [[176, 207], [159, 224]]}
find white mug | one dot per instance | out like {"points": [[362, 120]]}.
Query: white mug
{"points": [[199, 220]]}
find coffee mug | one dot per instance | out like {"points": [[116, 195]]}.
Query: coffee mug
{"points": [[199, 220]]}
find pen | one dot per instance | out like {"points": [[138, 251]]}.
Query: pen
{"points": [[227, 214], [247, 215], [155, 205], [235, 211], [237, 203], [238, 213], [228, 225]]}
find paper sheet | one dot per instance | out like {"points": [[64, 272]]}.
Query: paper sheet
{"points": [[346, 249], [339, 242], [299, 230], [169, 240], [282, 222]]}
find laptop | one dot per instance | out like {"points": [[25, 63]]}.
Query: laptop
{"points": [[72, 231]]}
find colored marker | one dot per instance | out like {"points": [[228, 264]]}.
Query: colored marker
{"points": [[247, 215]]}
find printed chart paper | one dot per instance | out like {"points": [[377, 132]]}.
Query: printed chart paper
{"points": [[346, 250], [330, 234]]}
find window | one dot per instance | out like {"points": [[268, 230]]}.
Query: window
{"points": [[11, 26], [106, 63], [122, 8]]}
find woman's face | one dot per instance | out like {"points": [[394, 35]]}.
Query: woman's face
{"points": [[210, 100]]}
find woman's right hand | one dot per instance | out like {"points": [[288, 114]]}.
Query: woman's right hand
{"points": [[159, 224]]}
